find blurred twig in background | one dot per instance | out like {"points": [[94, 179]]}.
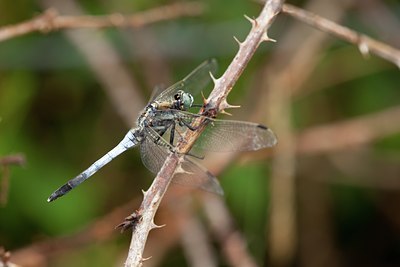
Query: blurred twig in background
{"points": [[364, 43], [345, 134], [50, 20], [5, 163], [117, 82]]}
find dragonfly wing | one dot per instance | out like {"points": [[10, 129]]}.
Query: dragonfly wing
{"points": [[230, 135], [154, 152], [153, 155], [193, 83], [197, 176], [156, 92], [127, 142]]}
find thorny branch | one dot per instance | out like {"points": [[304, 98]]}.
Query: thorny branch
{"points": [[365, 44], [50, 20], [214, 104]]}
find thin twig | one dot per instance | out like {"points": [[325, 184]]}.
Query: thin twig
{"points": [[196, 244], [231, 240], [5, 162], [102, 229], [106, 64], [379, 17], [362, 167], [50, 20], [353, 132], [17, 159], [215, 103], [365, 43]]}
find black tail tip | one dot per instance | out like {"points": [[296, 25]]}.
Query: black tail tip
{"points": [[59, 192]]}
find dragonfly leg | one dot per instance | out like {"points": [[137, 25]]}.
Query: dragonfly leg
{"points": [[172, 135], [191, 127], [195, 156], [188, 125]]}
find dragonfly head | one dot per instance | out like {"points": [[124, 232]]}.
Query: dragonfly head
{"points": [[184, 100]]}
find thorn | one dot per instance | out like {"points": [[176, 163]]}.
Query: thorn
{"points": [[204, 98], [224, 105], [146, 259], [144, 192], [215, 80], [237, 41], [226, 113], [364, 49], [155, 226], [266, 38], [252, 21], [179, 169], [182, 170]]}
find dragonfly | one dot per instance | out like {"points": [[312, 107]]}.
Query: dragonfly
{"points": [[167, 114]]}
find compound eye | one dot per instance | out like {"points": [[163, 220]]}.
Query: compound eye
{"points": [[177, 96], [187, 101]]}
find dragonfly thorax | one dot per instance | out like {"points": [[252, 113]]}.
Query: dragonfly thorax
{"points": [[146, 116], [180, 101]]}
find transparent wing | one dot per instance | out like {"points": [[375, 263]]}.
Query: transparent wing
{"points": [[198, 177], [193, 83], [156, 91], [230, 135], [154, 152]]}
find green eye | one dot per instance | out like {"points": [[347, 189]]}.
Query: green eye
{"points": [[187, 101]]}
